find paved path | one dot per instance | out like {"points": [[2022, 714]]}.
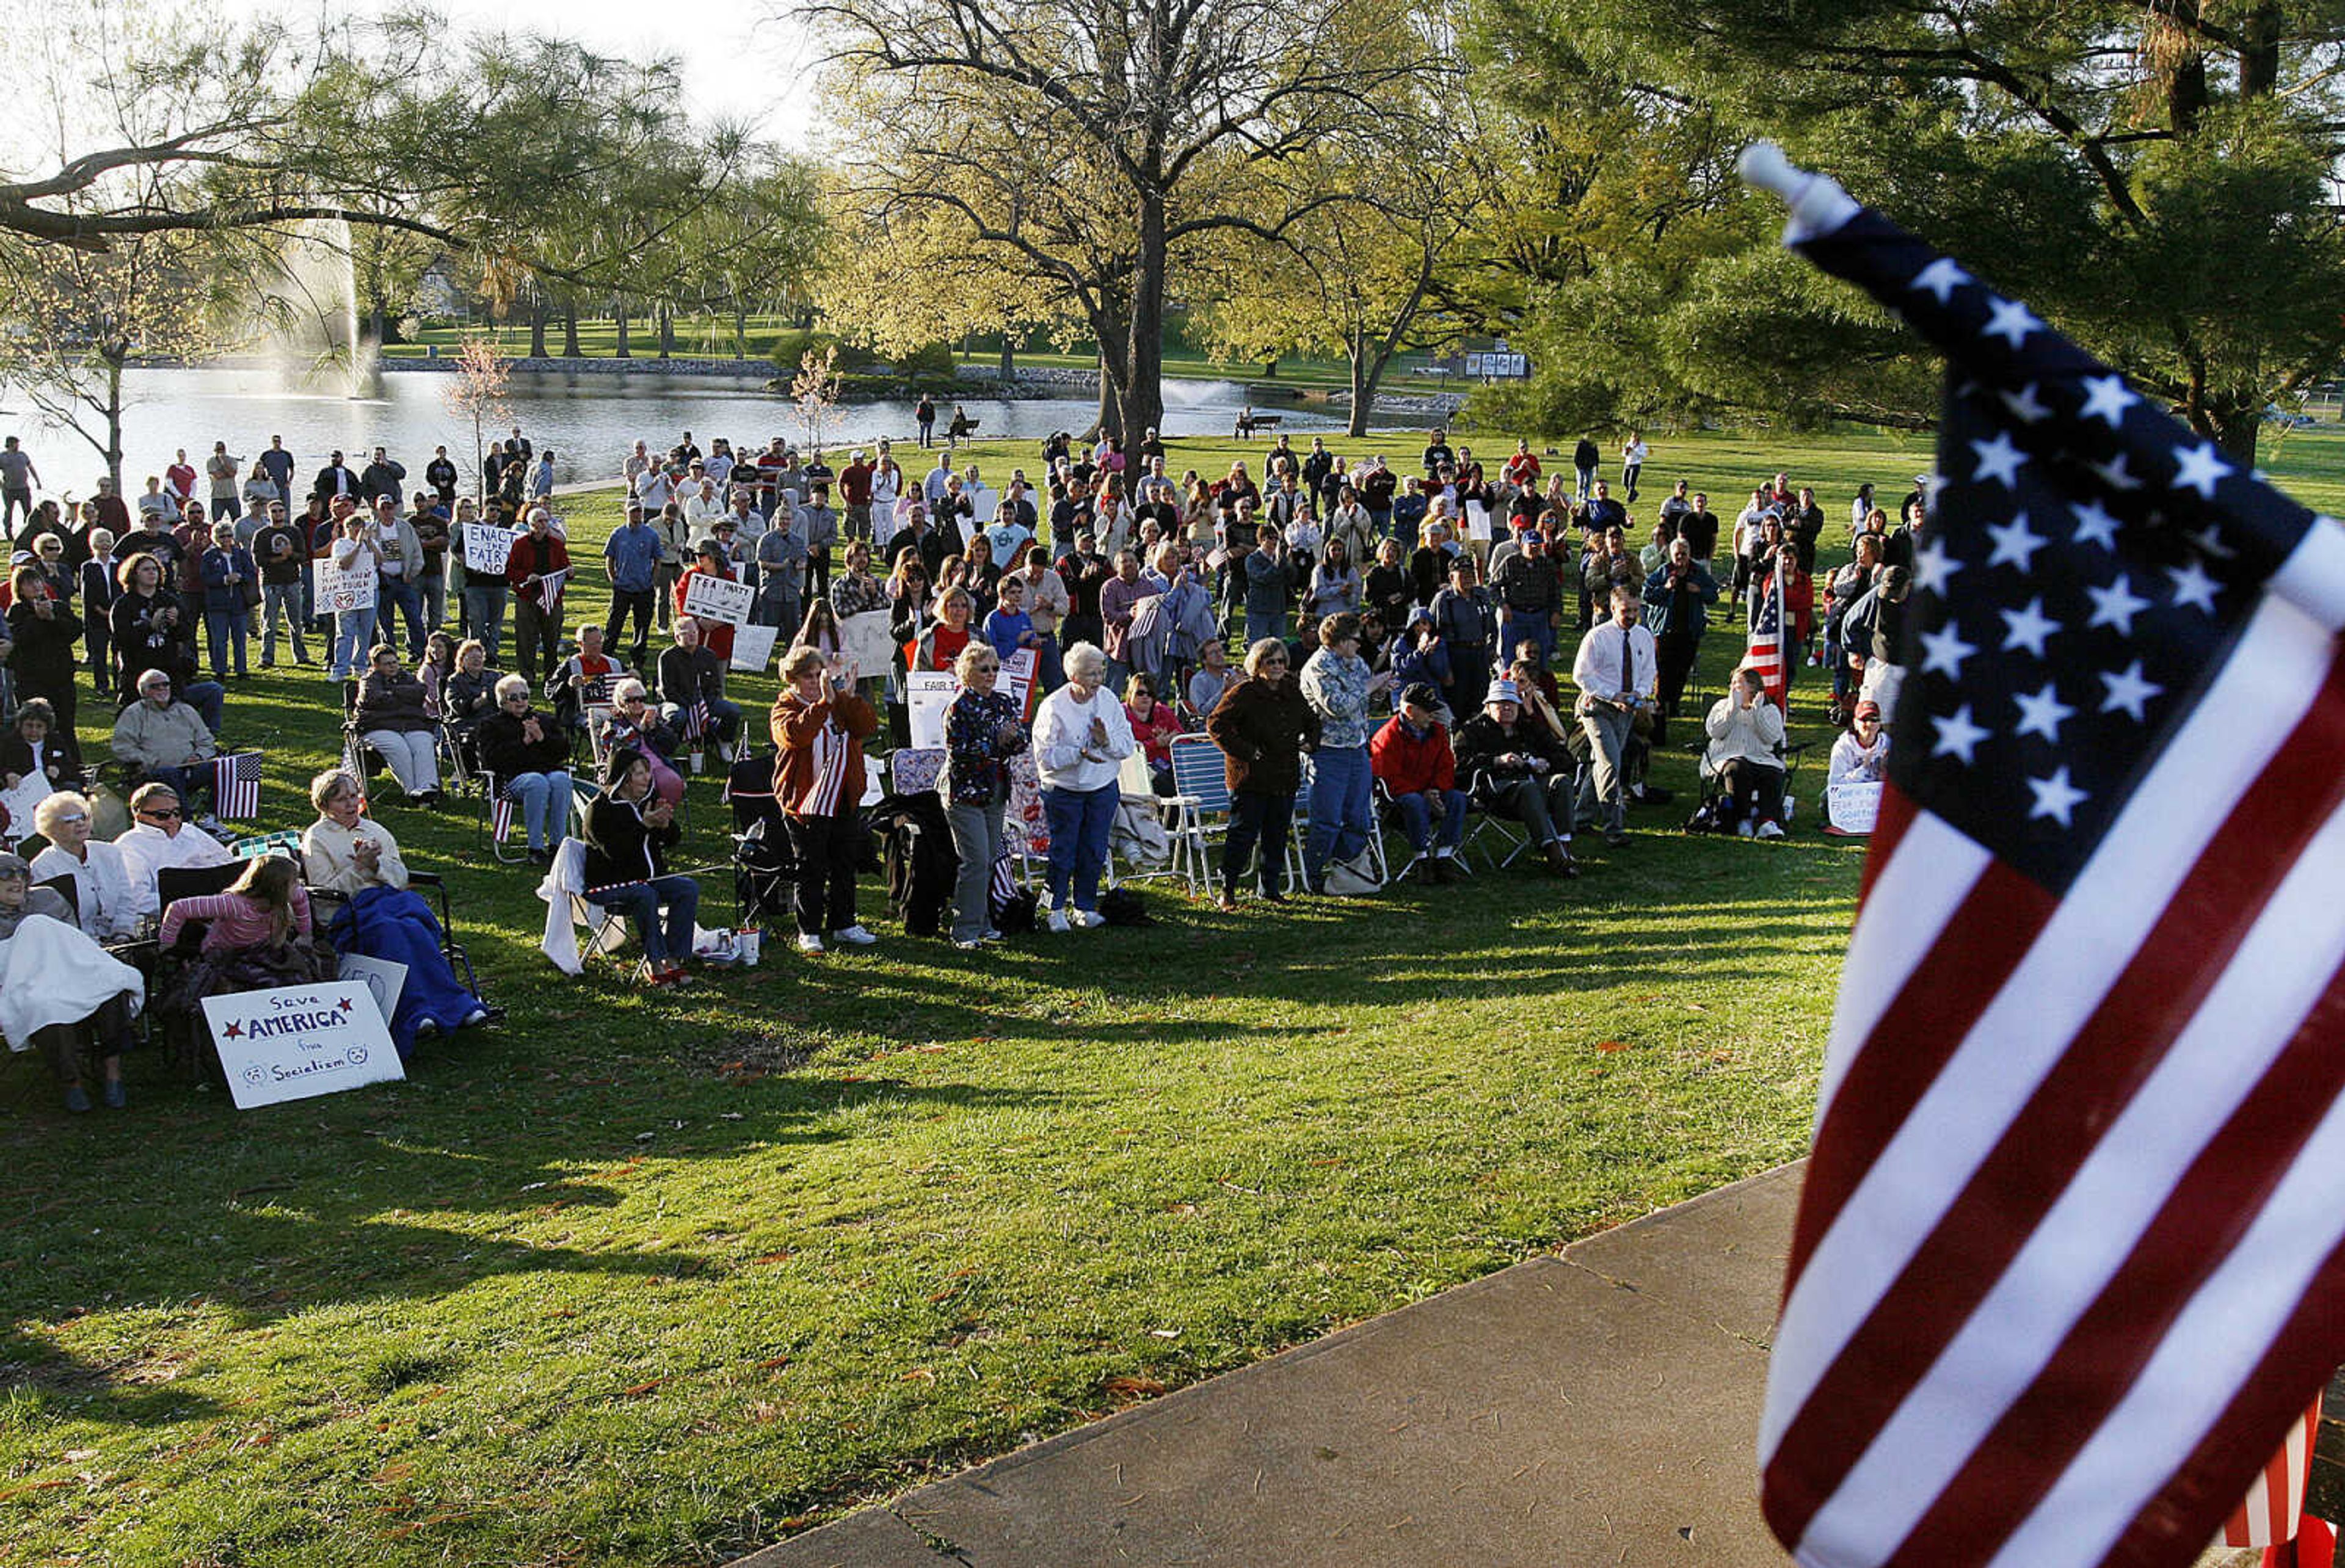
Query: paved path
{"points": [[1594, 1407]]}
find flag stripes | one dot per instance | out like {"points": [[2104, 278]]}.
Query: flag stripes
{"points": [[2270, 1514], [236, 786]]}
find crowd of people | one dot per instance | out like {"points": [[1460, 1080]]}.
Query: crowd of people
{"points": [[1374, 644]]}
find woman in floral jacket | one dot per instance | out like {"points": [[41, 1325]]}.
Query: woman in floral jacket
{"points": [[982, 732]]}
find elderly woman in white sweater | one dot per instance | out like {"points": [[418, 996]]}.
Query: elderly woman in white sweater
{"points": [[1082, 736], [106, 898]]}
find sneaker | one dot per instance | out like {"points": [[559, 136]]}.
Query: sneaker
{"points": [[810, 943], [540, 857], [116, 1097], [477, 1015], [76, 1099], [1090, 919], [1771, 830], [991, 934], [970, 944], [1058, 920], [1616, 839], [1743, 829], [855, 936]]}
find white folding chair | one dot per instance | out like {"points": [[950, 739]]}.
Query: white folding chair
{"points": [[1198, 814]]}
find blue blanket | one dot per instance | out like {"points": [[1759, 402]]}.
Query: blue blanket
{"points": [[396, 924]]}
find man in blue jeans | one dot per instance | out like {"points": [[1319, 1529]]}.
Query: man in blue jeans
{"points": [[1411, 757], [632, 555]]}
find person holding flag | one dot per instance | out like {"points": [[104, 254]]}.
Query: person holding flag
{"points": [[536, 570], [2069, 1263]]}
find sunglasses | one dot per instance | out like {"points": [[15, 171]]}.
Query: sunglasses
{"points": [[77, 816], [161, 812]]}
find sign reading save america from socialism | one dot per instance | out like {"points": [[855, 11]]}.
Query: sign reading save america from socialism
{"points": [[299, 1041]]}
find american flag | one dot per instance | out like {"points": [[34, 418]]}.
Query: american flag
{"points": [[2071, 1254], [501, 813], [596, 692], [236, 786], [696, 719], [1768, 655], [2273, 1511]]}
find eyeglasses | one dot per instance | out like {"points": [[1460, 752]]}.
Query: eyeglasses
{"points": [[159, 813], [520, 697], [83, 816]]}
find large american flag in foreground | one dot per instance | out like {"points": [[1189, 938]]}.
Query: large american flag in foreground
{"points": [[2067, 1260]]}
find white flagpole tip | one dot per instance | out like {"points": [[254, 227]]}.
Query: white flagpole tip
{"points": [[1818, 205]]}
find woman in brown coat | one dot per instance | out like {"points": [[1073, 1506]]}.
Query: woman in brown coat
{"points": [[1264, 726]]}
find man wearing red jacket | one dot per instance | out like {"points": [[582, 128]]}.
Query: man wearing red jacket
{"points": [[1410, 756]]}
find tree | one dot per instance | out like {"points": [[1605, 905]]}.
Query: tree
{"points": [[2155, 179], [816, 388], [477, 392], [78, 318], [755, 247], [1352, 278], [1106, 139]]}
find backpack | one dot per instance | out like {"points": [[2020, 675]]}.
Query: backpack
{"points": [[1123, 906]]}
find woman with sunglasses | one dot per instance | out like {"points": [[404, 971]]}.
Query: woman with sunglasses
{"points": [[530, 755]]}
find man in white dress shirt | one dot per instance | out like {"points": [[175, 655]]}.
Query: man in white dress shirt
{"points": [[1617, 670]]}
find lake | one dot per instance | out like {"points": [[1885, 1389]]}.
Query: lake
{"points": [[589, 420]]}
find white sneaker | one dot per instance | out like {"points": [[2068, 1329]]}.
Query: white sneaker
{"points": [[1743, 829], [1090, 919], [810, 943], [1058, 920], [970, 944], [855, 936], [1771, 830]]}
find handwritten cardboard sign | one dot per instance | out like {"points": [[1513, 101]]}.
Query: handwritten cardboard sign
{"points": [[296, 1042]]}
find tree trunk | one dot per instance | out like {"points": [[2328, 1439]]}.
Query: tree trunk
{"points": [[114, 423], [666, 333], [1142, 393], [741, 331], [1363, 385], [1009, 368], [570, 332], [622, 351], [2236, 427], [538, 313]]}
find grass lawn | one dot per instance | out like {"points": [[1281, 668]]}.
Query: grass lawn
{"points": [[657, 1278]]}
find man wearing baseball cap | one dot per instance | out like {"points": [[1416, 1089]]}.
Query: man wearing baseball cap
{"points": [[1409, 755]]}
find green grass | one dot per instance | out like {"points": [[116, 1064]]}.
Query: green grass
{"points": [[656, 1278]]}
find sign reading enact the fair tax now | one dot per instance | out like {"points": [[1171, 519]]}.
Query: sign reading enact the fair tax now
{"points": [[299, 1041]]}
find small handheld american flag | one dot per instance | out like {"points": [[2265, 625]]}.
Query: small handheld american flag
{"points": [[1767, 655], [236, 786], [501, 811]]}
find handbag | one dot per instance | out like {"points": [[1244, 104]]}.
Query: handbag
{"points": [[250, 590], [1354, 878]]}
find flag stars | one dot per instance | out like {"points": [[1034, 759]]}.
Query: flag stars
{"points": [[2193, 586], [2042, 714], [1943, 651], [2199, 468], [2095, 525], [2014, 543], [2114, 475], [2107, 398], [1934, 568], [2056, 797], [2128, 693], [1998, 459], [2025, 406], [2027, 627], [1958, 736], [1941, 278], [2009, 320], [2116, 605]]}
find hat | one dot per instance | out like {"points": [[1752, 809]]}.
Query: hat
{"points": [[1503, 691], [858, 454], [1419, 695], [1867, 709], [1420, 614]]}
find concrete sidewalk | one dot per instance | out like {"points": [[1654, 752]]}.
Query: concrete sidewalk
{"points": [[1597, 1407]]}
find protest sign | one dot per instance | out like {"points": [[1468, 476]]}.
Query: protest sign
{"points": [[335, 590], [21, 802], [487, 548], [298, 1041], [1477, 522], [707, 598], [1018, 680], [927, 693], [867, 642], [383, 977], [1852, 807], [986, 501], [753, 648]]}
